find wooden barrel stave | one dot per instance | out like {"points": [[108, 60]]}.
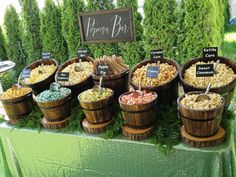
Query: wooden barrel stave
{"points": [[56, 110], [139, 115], [18, 108], [226, 91], [118, 83], [44, 84], [99, 111], [167, 92], [201, 123], [79, 87]]}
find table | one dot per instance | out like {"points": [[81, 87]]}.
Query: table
{"points": [[28, 153]]}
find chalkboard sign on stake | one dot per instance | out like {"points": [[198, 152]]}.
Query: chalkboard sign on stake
{"points": [[26, 73], [46, 55], [82, 53], [63, 76], [152, 71], [156, 54], [107, 26], [204, 70], [102, 70], [210, 52]]}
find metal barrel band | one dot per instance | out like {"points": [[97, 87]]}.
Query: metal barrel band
{"points": [[16, 102], [198, 119], [66, 102], [105, 106], [25, 114], [136, 112]]}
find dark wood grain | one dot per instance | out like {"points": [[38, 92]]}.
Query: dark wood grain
{"points": [[118, 83], [139, 115], [137, 134], [167, 93], [81, 86], [18, 108], [217, 139], [200, 123], [56, 110], [99, 111], [40, 86], [96, 128], [226, 90]]}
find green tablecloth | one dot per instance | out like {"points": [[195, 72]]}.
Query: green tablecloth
{"points": [[48, 154]]}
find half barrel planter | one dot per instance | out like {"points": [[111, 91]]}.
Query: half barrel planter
{"points": [[227, 91], [168, 92], [56, 112], [139, 118], [80, 86], [98, 114], [18, 108], [40, 86], [118, 83], [200, 123]]}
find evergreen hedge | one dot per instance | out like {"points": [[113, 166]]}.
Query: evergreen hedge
{"points": [[102, 49], [51, 34], [3, 52], [160, 26], [31, 30], [13, 36], [133, 52], [70, 27], [203, 27]]}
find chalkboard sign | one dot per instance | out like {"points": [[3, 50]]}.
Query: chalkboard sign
{"points": [[102, 70], [156, 54], [82, 53], [63, 76], [107, 26], [26, 73], [152, 71], [46, 55], [204, 70], [210, 52]]}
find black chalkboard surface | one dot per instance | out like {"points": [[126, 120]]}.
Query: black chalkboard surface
{"points": [[107, 26]]}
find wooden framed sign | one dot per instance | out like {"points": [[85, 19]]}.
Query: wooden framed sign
{"points": [[107, 26]]}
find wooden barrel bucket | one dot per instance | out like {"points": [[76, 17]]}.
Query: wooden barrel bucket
{"points": [[201, 123], [143, 115], [18, 108], [168, 92], [226, 91], [40, 86], [118, 83], [78, 87], [98, 111], [56, 110]]}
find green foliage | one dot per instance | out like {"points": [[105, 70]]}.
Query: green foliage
{"points": [[51, 34], [114, 129], [14, 41], [203, 27], [33, 120], [70, 27], [31, 30], [133, 52], [102, 49], [3, 53], [160, 26], [8, 79], [167, 132]]}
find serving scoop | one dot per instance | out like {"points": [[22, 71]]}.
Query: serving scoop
{"points": [[204, 96]]}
